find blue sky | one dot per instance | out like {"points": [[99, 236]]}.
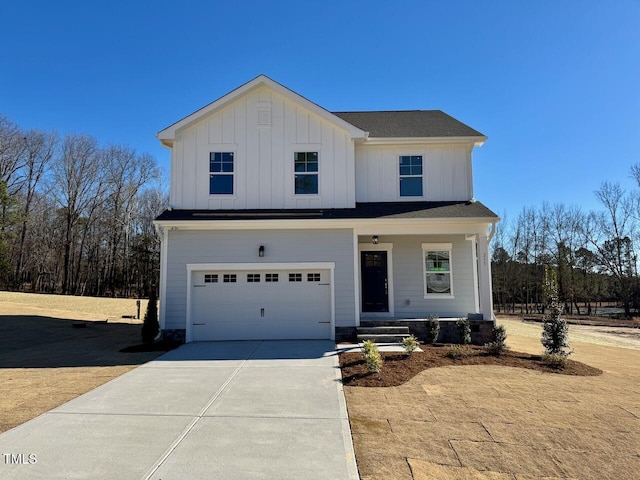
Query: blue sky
{"points": [[555, 85]]}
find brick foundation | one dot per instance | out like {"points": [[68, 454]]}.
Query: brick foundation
{"points": [[346, 334]]}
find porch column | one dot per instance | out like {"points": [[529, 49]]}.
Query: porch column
{"points": [[484, 277]]}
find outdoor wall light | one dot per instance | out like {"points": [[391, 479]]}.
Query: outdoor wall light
{"points": [[261, 251], [374, 239]]}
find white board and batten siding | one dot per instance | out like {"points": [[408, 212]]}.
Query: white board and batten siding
{"points": [[447, 173], [263, 129], [191, 247]]}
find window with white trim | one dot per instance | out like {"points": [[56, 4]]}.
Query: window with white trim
{"points": [[410, 170], [229, 278], [305, 166], [253, 277], [221, 170], [313, 277], [436, 265], [271, 277], [210, 278]]}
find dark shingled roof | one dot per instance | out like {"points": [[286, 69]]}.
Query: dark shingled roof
{"points": [[408, 123], [380, 210]]}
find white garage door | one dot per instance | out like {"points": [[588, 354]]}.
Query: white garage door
{"points": [[260, 305]]}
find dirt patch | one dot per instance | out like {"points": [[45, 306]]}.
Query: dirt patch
{"points": [[579, 320], [398, 368]]}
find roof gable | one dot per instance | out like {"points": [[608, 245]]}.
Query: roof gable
{"points": [[167, 135]]}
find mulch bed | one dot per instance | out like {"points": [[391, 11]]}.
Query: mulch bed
{"points": [[398, 368]]}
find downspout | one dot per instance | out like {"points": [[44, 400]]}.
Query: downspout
{"points": [[492, 232]]}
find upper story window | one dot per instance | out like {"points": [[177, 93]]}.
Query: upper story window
{"points": [[410, 175], [221, 169], [305, 166]]}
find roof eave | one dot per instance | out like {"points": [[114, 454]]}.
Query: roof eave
{"points": [[476, 141], [355, 223]]}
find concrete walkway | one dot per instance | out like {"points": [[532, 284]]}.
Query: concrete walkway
{"points": [[220, 410]]}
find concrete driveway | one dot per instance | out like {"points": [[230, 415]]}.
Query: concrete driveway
{"points": [[219, 410]]}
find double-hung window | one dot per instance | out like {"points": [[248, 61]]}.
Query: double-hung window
{"points": [[221, 170], [410, 175], [436, 262], [305, 166]]}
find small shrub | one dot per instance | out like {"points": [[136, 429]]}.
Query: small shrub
{"points": [[373, 360], [372, 356], [554, 360], [498, 340], [150, 326], [555, 332], [464, 330], [410, 343], [458, 351], [369, 346], [433, 328]]}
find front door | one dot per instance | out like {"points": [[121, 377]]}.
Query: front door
{"points": [[375, 281]]}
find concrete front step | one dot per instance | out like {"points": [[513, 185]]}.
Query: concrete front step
{"points": [[383, 333], [381, 338]]}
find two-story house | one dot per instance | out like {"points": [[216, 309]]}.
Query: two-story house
{"points": [[288, 221]]}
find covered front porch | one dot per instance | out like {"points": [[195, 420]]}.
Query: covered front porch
{"points": [[407, 273]]}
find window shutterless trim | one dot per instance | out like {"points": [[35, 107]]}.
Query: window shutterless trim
{"points": [[437, 247], [306, 164], [222, 166], [412, 169]]}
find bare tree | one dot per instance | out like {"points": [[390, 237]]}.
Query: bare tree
{"points": [[125, 174], [12, 146], [39, 150], [78, 189], [611, 234]]}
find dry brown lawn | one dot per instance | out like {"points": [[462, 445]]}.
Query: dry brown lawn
{"points": [[45, 361], [469, 422], [495, 422]]}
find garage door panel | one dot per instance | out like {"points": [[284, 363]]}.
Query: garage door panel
{"points": [[291, 305]]}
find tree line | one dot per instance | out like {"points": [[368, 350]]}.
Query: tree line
{"points": [[76, 217], [593, 253]]}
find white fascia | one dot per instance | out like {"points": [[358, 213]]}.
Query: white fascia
{"points": [[167, 135], [360, 225], [473, 141]]}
